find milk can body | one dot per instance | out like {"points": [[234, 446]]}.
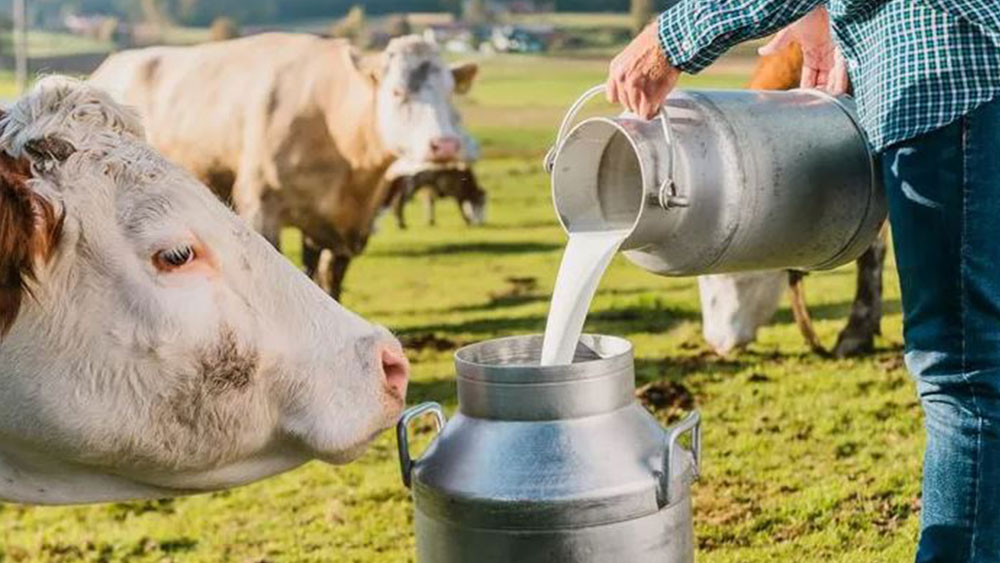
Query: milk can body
{"points": [[553, 464], [725, 181]]}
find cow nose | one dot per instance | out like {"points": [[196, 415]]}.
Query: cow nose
{"points": [[395, 369], [444, 149]]}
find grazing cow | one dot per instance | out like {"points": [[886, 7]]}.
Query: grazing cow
{"points": [[296, 130], [151, 343], [459, 184], [455, 181], [734, 306]]}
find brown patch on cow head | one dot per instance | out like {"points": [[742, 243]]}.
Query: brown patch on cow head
{"points": [[226, 367], [29, 230]]}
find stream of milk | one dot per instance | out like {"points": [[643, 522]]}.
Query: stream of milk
{"points": [[586, 257]]}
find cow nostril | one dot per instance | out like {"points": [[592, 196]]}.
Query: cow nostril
{"points": [[395, 369], [445, 147]]}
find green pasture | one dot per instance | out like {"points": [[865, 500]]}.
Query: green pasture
{"points": [[805, 459], [51, 43]]}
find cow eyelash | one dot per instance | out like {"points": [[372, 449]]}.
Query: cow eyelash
{"points": [[174, 258]]}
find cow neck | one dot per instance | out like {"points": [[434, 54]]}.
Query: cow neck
{"points": [[33, 479], [350, 119]]}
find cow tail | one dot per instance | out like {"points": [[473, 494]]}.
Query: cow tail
{"points": [[800, 310]]}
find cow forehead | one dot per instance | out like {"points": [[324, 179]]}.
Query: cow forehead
{"points": [[411, 46]]}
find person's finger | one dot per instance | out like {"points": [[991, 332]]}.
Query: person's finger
{"points": [[616, 92], [840, 80], [629, 95], [647, 107], [808, 79], [822, 78], [611, 88], [781, 40]]}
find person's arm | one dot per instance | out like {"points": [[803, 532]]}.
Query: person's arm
{"points": [[980, 13], [688, 37], [694, 33]]}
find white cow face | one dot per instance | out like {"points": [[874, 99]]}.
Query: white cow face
{"points": [[735, 306], [415, 116], [164, 346]]}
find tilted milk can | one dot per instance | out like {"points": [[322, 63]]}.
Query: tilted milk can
{"points": [[555, 464], [723, 181]]}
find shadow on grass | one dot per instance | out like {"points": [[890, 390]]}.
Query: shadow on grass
{"points": [[481, 247], [834, 311], [676, 368], [440, 390], [625, 320]]}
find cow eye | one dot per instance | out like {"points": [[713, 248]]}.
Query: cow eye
{"points": [[174, 258]]}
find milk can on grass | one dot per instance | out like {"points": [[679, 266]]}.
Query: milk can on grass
{"points": [[555, 464], [723, 181]]}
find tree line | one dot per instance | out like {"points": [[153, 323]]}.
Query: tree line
{"points": [[258, 12]]}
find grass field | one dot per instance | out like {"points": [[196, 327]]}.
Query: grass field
{"points": [[805, 459]]}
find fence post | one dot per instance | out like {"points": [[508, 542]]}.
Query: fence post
{"points": [[20, 13]]}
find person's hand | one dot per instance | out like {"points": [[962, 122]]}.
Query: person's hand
{"points": [[640, 77], [823, 64]]}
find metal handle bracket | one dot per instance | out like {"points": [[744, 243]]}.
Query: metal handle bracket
{"points": [[690, 424], [406, 463]]}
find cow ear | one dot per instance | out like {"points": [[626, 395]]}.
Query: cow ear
{"points": [[370, 66], [29, 229], [464, 75]]}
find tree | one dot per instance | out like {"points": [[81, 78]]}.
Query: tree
{"points": [[642, 11], [223, 29], [475, 12], [398, 25], [453, 7]]}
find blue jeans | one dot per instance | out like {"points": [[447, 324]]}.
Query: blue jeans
{"points": [[944, 203]]}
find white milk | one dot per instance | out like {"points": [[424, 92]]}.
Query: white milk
{"points": [[586, 257]]}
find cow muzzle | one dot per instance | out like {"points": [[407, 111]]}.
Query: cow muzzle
{"points": [[394, 370], [445, 149]]}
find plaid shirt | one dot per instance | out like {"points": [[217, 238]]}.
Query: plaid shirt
{"points": [[916, 65]]}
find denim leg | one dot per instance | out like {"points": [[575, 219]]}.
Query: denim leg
{"points": [[944, 203]]}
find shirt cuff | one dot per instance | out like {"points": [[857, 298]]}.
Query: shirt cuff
{"points": [[682, 44]]}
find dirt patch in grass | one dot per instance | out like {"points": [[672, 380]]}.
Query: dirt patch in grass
{"points": [[428, 341], [666, 395]]}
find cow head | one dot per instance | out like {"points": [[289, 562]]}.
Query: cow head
{"points": [[415, 116], [735, 306], [152, 343]]}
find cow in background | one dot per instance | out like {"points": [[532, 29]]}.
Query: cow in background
{"points": [[735, 306], [458, 182], [151, 343], [297, 130]]}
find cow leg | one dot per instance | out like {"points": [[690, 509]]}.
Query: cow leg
{"points": [[310, 257], [858, 337], [331, 272], [429, 198], [325, 268], [400, 193], [254, 202]]}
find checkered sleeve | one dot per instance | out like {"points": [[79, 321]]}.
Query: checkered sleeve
{"points": [[982, 13], [693, 33]]}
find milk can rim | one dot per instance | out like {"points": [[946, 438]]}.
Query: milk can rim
{"points": [[613, 122], [620, 357]]}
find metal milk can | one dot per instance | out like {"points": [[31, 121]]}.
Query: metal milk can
{"points": [[723, 181], [555, 464]]}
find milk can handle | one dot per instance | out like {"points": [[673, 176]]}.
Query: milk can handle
{"points": [[667, 195], [550, 157], [690, 424], [402, 434]]}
